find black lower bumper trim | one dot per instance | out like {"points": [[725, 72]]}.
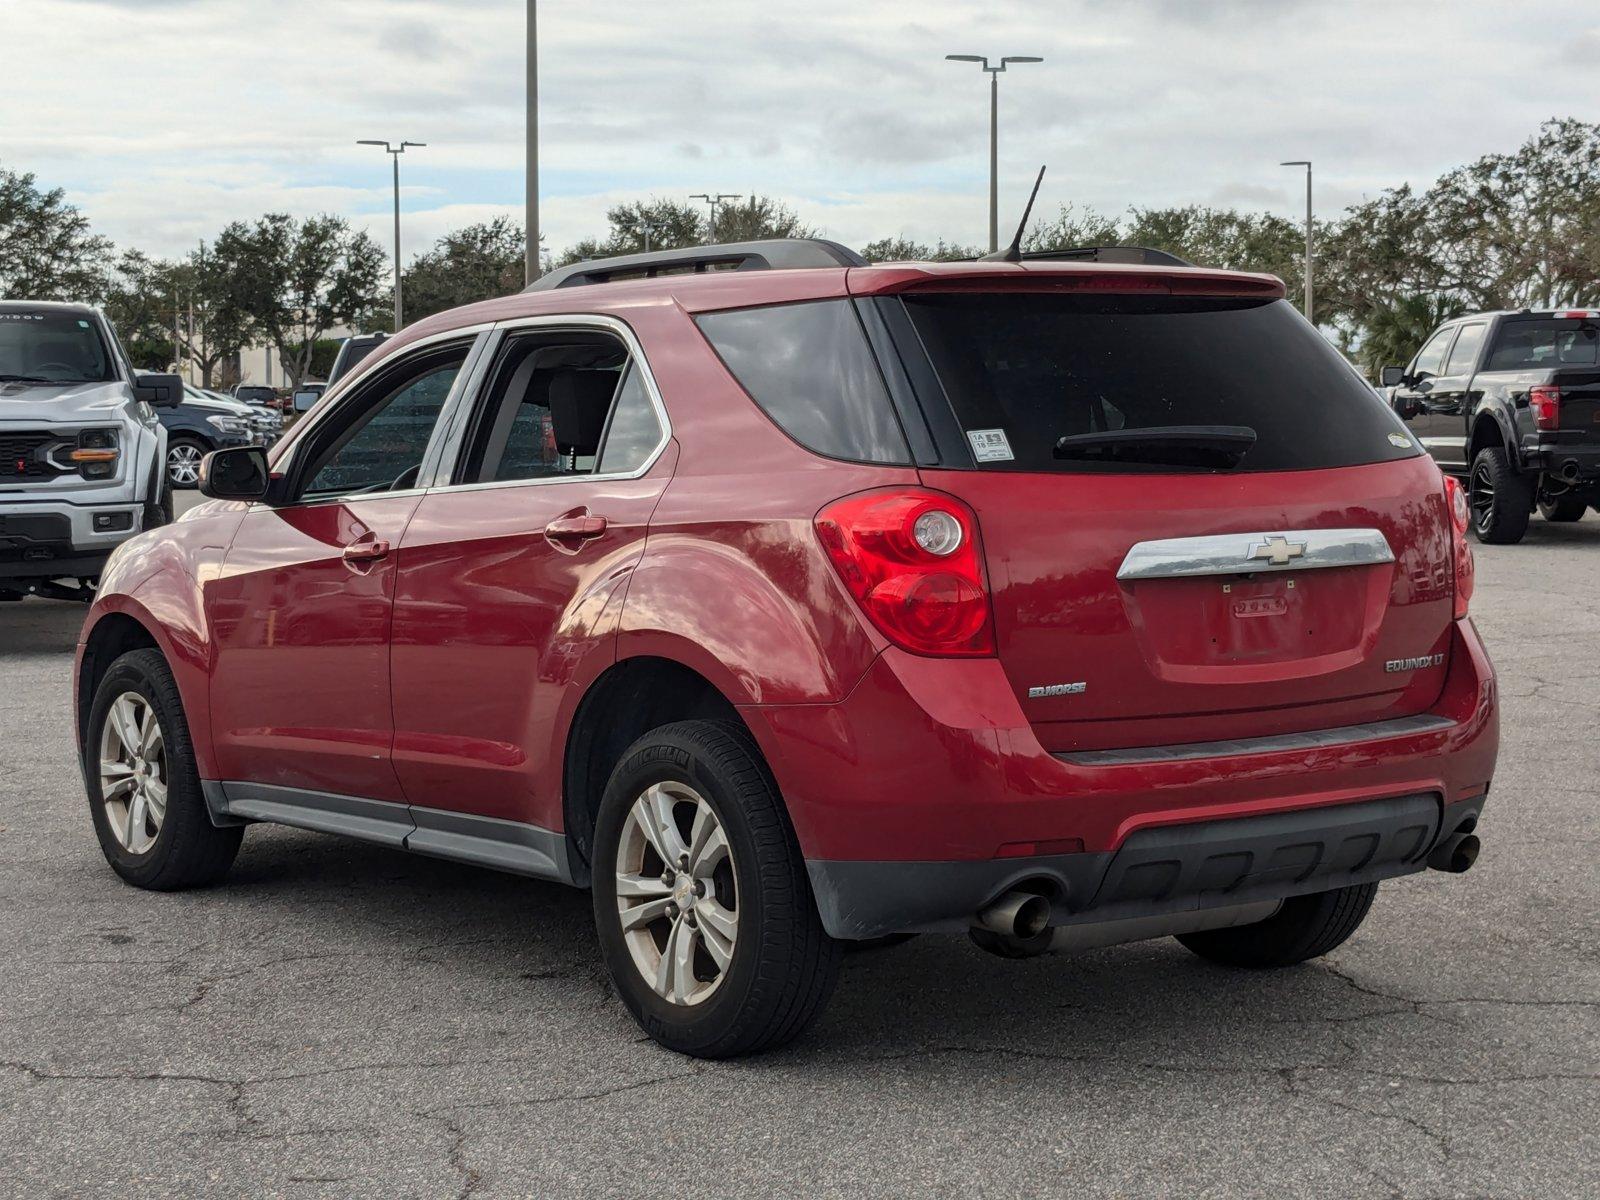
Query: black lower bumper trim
{"points": [[1166, 869]]}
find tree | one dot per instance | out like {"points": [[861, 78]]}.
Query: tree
{"points": [[672, 224], [139, 304], [296, 281], [1072, 227], [901, 249], [478, 262], [47, 251], [756, 218]]}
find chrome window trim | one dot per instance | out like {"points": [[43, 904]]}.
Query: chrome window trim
{"points": [[318, 414], [451, 455], [1230, 553]]}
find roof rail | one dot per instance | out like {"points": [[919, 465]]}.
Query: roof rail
{"points": [[771, 254], [1133, 255]]}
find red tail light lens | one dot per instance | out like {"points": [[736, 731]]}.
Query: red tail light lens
{"points": [[911, 559], [1455, 503], [1546, 405]]}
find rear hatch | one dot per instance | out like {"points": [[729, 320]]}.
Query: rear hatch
{"points": [[1198, 522], [1561, 350]]}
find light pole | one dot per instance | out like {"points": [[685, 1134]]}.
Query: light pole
{"points": [[394, 152], [647, 228], [1306, 163], [530, 268], [714, 199], [994, 132]]}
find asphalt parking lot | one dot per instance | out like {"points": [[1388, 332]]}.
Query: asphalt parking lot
{"points": [[344, 1020]]}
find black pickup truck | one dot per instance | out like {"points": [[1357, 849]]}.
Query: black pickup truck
{"points": [[1510, 402]]}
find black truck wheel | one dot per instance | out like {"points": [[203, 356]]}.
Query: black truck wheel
{"points": [[1563, 508], [1501, 499]]}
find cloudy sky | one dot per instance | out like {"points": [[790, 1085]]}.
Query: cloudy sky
{"points": [[164, 119]]}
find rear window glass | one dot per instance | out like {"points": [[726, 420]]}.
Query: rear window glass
{"points": [[810, 369], [1533, 345], [1024, 370]]}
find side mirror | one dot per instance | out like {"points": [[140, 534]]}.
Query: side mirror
{"points": [[161, 391], [304, 400], [1393, 376], [238, 473]]}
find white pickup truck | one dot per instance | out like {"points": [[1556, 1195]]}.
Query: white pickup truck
{"points": [[82, 453]]}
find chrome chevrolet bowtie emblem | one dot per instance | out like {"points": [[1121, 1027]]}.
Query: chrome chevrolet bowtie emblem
{"points": [[1277, 550]]}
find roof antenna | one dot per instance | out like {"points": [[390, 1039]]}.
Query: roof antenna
{"points": [[1013, 252]]}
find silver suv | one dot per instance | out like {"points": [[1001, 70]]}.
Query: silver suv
{"points": [[81, 448]]}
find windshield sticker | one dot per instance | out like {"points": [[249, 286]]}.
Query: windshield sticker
{"points": [[1401, 440], [990, 445]]}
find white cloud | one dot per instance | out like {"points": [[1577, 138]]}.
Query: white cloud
{"points": [[165, 119]]}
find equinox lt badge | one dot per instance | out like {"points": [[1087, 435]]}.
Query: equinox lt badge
{"points": [[1395, 665]]}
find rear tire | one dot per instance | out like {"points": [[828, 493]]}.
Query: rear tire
{"points": [[1305, 927], [161, 848], [1563, 508], [1500, 498], [771, 978]]}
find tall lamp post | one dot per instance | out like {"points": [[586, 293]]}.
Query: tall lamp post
{"points": [[1306, 163], [994, 132], [714, 199], [394, 152], [530, 268]]}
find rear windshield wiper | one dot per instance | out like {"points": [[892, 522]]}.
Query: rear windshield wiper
{"points": [[1217, 446]]}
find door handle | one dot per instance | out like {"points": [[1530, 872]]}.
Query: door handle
{"points": [[580, 529], [362, 552]]}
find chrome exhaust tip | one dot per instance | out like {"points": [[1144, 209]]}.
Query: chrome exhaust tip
{"points": [[1017, 914]]}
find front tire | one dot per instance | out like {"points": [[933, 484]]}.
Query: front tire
{"points": [[704, 911], [144, 789], [1305, 927], [1500, 498]]}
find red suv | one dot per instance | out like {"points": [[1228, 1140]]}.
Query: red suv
{"points": [[786, 601]]}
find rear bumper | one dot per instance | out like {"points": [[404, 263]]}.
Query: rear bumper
{"points": [[925, 794], [1157, 872], [1576, 460]]}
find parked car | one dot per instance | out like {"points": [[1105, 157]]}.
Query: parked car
{"points": [[80, 448], [256, 393], [1061, 603], [351, 352], [200, 425], [1510, 402]]}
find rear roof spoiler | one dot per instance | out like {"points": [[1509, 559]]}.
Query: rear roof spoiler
{"points": [[772, 254], [1141, 256]]}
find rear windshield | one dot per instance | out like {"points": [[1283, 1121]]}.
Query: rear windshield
{"points": [[52, 347], [1531, 345], [1239, 385]]}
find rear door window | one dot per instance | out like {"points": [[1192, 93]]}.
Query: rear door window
{"points": [[1465, 352], [1176, 377], [809, 367]]}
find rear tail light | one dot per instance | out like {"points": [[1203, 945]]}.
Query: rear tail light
{"points": [[1546, 405], [911, 559], [1455, 503]]}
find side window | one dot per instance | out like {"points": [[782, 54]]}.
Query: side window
{"points": [[1430, 359], [557, 405], [809, 367], [1465, 352], [635, 429], [375, 442]]}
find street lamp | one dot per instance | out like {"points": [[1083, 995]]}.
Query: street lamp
{"points": [[994, 132], [394, 152], [530, 268], [714, 199], [1306, 163]]}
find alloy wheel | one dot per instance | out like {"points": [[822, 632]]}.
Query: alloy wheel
{"points": [[1480, 496], [183, 464], [133, 772], [676, 895]]}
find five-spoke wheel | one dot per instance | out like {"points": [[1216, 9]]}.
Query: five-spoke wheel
{"points": [[677, 897], [133, 772]]}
